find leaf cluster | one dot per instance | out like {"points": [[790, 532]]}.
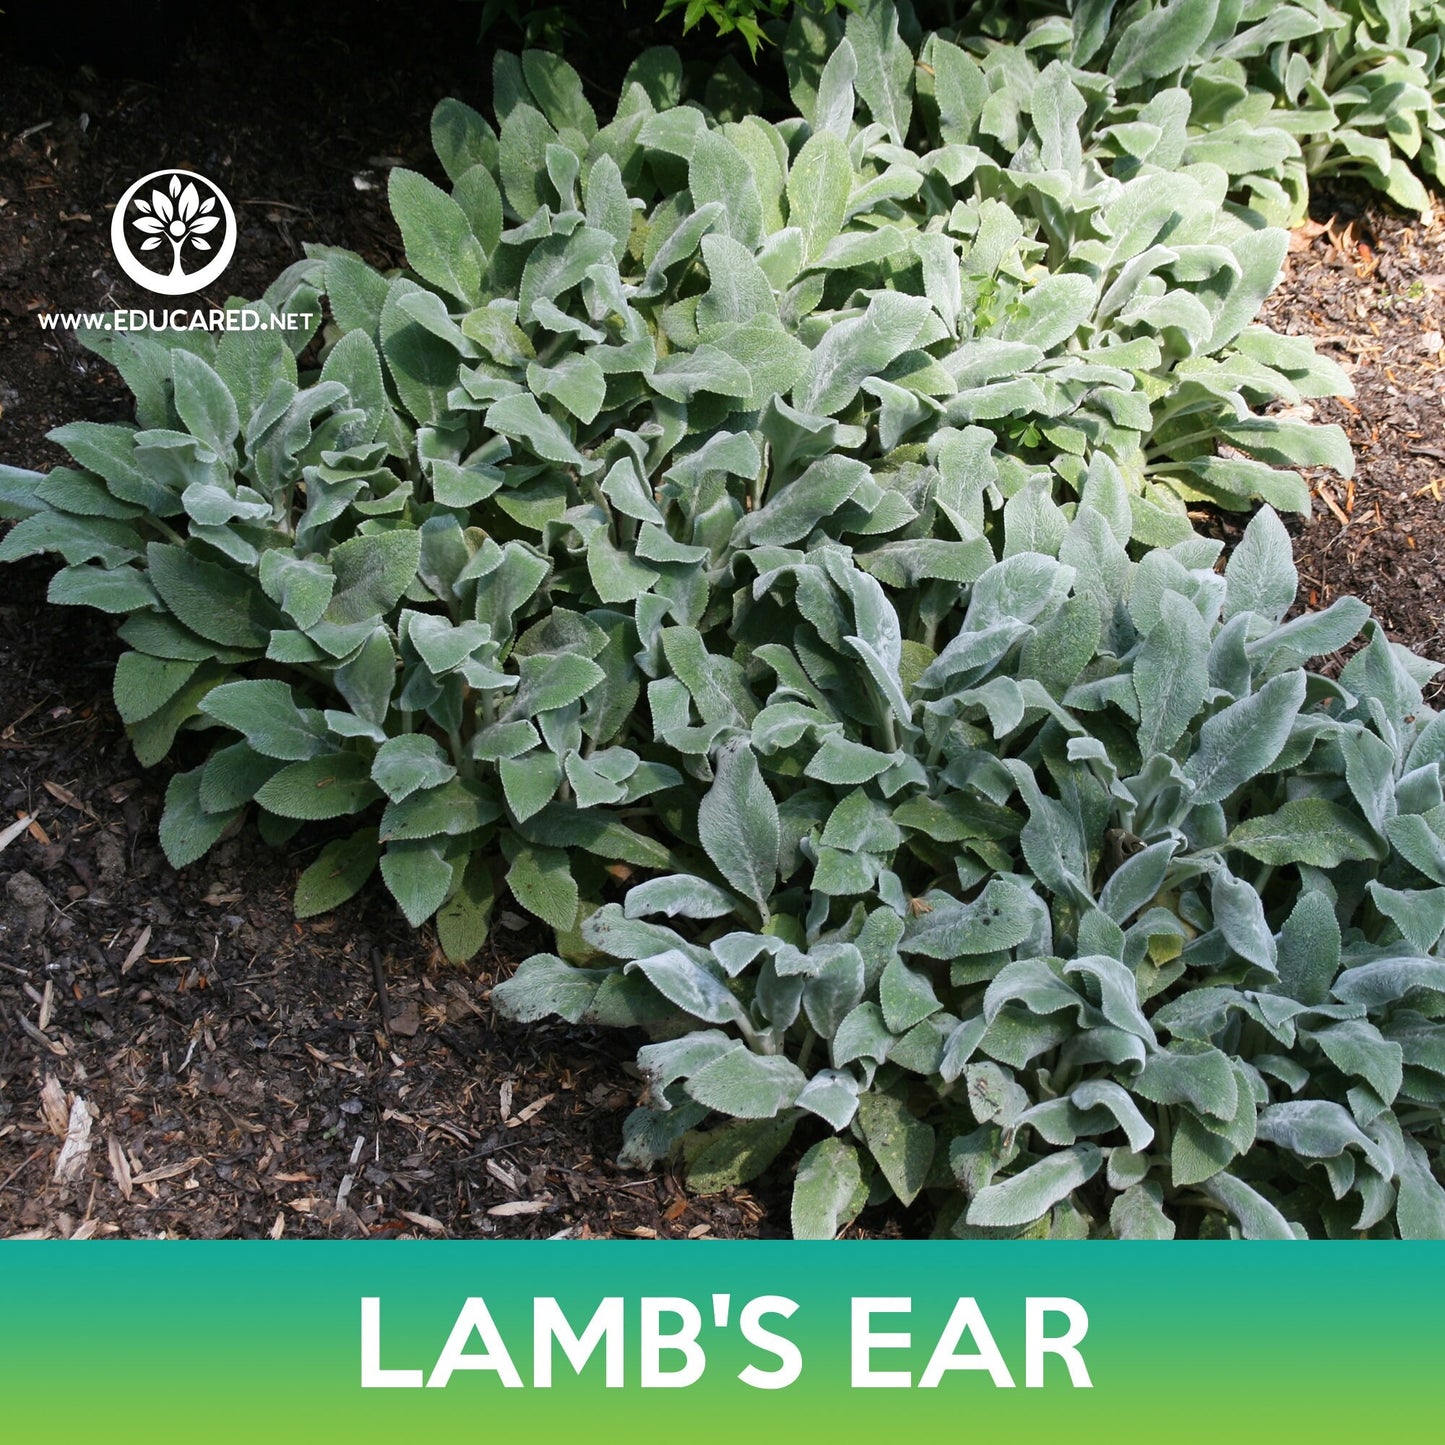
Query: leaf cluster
{"points": [[628, 368], [743, 17], [1280, 94], [1119, 923]]}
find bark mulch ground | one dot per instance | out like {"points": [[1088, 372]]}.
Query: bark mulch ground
{"points": [[242, 1074], [1367, 284]]}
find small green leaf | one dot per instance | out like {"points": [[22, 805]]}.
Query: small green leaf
{"points": [[818, 186], [214, 602], [541, 881], [901, 1144], [152, 736], [233, 776], [679, 896], [122, 589], [829, 1191], [440, 246], [188, 830], [747, 1085], [321, 787], [1030, 1194], [1200, 1077], [736, 1152], [530, 783], [690, 986], [461, 138], [544, 985], [1307, 830], [144, 684], [406, 763], [204, 403], [419, 878], [738, 825], [1170, 679], [1138, 1213], [463, 919], [455, 808], [339, 872], [907, 996], [301, 587], [1309, 949], [1242, 741], [266, 715], [998, 918], [372, 573], [1261, 573]]}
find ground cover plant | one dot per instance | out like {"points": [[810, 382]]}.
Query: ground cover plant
{"points": [[790, 521], [1113, 787], [1281, 93]]}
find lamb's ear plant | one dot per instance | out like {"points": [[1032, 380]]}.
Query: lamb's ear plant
{"points": [[629, 369], [753, 513], [1279, 94], [1094, 914]]}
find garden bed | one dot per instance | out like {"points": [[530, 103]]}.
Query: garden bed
{"points": [[238, 1042], [250, 1074]]}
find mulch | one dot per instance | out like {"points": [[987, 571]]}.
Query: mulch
{"points": [[1367, 284], [230, 1071]]}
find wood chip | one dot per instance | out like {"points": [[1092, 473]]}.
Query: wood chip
{"points": [[423, 1221], [348, 1181], [531, 1111], [168, 1171], [516, 1206], [66, 798], [1327, 497], [54, 1107], [510, 1179], [405, 1021], [136, 949], [459, 992], [47, 1006], [10, 834], [75, 1152], [119, 1167], [47, 1043]]}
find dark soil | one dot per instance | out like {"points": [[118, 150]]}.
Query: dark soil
{"points": [[1368, 285], [245, 1074]]}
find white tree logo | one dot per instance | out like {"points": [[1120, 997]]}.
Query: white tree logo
{"points": [[177, 216]]}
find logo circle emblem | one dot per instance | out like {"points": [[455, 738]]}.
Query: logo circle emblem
{"points": [[173, 232]]}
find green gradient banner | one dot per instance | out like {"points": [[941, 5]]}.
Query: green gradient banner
{"points": [[1184, 1342]]}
